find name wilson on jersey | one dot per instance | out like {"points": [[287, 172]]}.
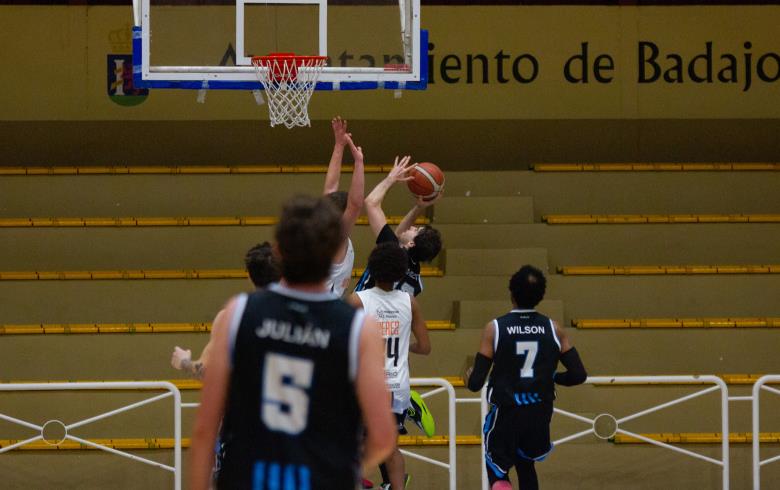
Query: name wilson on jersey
{"points": [[527, 329], [293, 334]]}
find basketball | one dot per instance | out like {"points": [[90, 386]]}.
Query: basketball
{"points": [[428, 180]]}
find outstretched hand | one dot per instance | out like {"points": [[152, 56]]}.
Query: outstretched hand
{"points": [[340, 134], [401, 169], [179, 356], [357, 151]]}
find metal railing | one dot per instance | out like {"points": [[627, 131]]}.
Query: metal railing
{"points": [[170, 391], [718, 385], [442, 386]]}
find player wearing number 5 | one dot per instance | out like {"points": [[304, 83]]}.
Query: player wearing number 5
{"points": [[295, 371], [398, 316], [524, 348]]}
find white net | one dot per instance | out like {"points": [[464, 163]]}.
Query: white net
{"points": [[289, 82]]}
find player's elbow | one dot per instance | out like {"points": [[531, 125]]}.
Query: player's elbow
{"points": [[372, 202], [425, 349]]}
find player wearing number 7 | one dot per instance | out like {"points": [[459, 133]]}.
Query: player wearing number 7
{"points": [[296, 372], [524, 348]]}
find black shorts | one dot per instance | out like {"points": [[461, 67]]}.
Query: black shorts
{"points": [[515, 433]]}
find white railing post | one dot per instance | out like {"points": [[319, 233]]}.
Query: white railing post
{"points": [[759, 385], [451, 465]]}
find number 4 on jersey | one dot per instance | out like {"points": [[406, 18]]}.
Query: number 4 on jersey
{"points": [[529, 350]]}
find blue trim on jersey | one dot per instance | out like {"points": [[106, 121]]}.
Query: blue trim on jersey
{"points": [[304, 477], [274, 476], [361, 284], [289, 477], [488, 419], [537, 459], [258, 479], [496, 470]]}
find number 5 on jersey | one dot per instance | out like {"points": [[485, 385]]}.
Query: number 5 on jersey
{"points": [[285, 403], [529, 350]]}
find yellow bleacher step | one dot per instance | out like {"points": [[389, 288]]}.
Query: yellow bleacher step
{"points": [[168, 443], [698, 438], [426, 271], [181, 169], [591, 270], [622, 219], [143, 328], [653, 167], [621, 323], [122, 222], [182, 384], [731, 379]]}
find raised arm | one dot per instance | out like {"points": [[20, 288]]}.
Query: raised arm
{"points": [[570, 359], [356, 189], [212, 405], [476, 375], [422, 343], [399, 173], [373, 397], [334, 166], [182, 359], [415, 212]]}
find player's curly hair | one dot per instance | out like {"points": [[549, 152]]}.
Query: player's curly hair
{"points": [[262, 266], [527, 286], [388, 262], [339, 199], [308, 234], [427, 244]]}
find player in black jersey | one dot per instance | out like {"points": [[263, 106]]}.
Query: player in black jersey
{"points": [[524, 348], [294, 372], [423, 243]]}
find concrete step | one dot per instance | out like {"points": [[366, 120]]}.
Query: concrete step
{"points": [[626, 244], [476, 313], [627, 192], [170, 195], [492, 262], [472, 210]]}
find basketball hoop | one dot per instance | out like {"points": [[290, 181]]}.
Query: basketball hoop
{"points": [[289, 82]]}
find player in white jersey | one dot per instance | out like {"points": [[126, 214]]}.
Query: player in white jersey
{"points": [[349, 203], [399, 316]]}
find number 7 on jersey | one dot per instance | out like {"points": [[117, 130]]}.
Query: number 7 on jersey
{"points": [[529, 350]]}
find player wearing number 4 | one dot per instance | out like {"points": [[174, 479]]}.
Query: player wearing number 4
{"points": [[294, 370], [524, 348], [398, 315]]}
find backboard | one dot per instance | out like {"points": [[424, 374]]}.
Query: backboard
{"points": [[189, 44]]}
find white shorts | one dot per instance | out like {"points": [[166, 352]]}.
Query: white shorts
{"points": [[401, 400]]}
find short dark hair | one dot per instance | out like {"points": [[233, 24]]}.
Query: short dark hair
{"points": [[261, 265], [427, 244], [527, 286], [308, 235], [339, 199], [388, 262]]}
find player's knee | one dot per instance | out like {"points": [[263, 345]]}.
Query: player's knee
{"points": [[501, 485]]}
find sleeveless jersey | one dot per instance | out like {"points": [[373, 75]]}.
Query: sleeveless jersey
{"points": [[526, 354], [292, 419], [393, 312], [341, 273]]}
